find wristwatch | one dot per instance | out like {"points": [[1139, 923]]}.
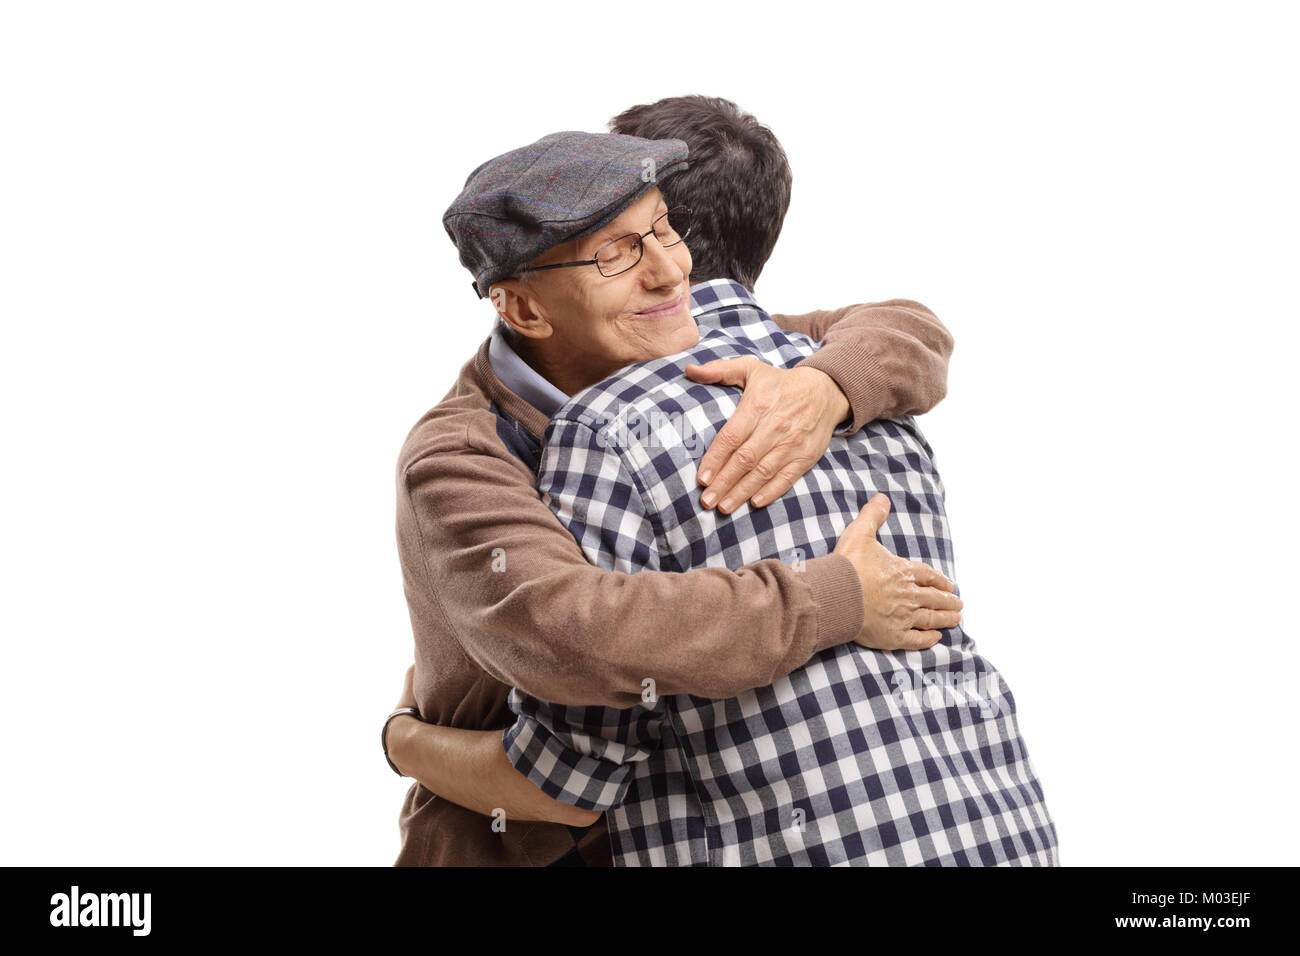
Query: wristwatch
{"points": [[383, 734]]}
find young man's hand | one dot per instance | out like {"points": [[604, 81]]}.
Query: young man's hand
{"points": [[396, 740], [469, 767]]}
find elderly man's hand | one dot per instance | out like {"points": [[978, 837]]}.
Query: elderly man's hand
{"points": [[781, 428], [906, 603]]}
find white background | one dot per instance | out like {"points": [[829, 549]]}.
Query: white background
{"points": [[227, 295]]}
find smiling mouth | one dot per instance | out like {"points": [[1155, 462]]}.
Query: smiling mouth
{"points": [[659, 311]]}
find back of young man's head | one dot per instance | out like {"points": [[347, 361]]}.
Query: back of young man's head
{"points": [[738, 183]]}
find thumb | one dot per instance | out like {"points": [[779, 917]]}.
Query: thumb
{"points": [[722, 371], [874, 513]]}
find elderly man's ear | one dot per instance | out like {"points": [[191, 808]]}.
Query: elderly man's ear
{"points": [[518, 309]]}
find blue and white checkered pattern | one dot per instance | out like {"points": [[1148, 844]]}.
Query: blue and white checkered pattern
{"points": [[858, 757]]}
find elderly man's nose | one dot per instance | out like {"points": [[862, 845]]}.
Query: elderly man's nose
{"points": [[661, 268]]}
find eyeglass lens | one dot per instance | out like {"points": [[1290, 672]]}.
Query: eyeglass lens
{"points": [[625, 252]]}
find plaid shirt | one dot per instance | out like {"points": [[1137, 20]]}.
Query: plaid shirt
{"points": [[858, 757]]}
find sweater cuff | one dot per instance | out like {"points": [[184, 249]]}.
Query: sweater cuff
{"points": [[859, 378], [837, 593]]}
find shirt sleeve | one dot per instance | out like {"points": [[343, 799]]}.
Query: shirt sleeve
{"points": [[586, 756]]}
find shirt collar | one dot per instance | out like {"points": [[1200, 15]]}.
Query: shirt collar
{"points": [[714, 295], [707, 297], [520, 377]]}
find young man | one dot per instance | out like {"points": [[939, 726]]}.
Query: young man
{"points": [[861, 756]]}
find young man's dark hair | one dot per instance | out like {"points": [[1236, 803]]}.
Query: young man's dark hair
{"points": [[738, 183]]}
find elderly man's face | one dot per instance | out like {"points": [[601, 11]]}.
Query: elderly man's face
{"points": [[582, 326]]}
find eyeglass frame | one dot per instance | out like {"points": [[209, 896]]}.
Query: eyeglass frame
{"points": [[640, 237]]}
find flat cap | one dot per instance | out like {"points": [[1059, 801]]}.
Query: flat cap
{"points": [[516, 206]]}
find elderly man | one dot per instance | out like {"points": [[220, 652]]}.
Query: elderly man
{"points": [[532, 608]]}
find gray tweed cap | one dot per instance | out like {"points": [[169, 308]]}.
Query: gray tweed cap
{"points": [[516, 206]]}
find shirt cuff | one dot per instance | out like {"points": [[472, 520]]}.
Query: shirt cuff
{"points": [[562, 773]]}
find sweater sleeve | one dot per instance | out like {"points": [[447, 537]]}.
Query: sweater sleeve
{"points": [[514, 588], [889, 358]]}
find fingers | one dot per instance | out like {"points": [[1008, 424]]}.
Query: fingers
{"points": [[936, 600], [730, 438], [928, 619], [929, 577], [772, 477], [721, 371], [783, 482], [922, 640], [750, 467], [762, 450], [755, 460], [912, 639]]}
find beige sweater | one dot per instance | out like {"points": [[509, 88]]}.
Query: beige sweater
{"points": [[500, 594]]}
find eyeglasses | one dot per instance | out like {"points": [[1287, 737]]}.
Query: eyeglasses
{"points": [[621, 254]]}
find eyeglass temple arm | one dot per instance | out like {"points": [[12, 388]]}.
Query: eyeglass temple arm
{"points": [[557, 265]]}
